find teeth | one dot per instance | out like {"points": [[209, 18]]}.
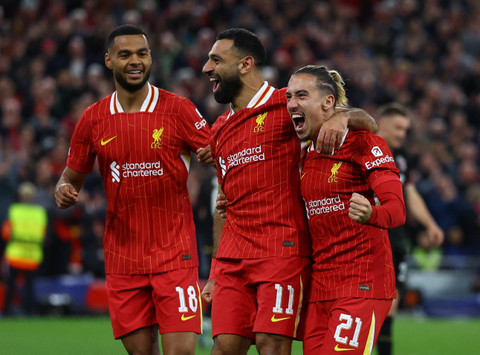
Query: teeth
{"points": [[298, 119]]}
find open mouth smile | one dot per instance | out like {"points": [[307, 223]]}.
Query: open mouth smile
{"points": [[216, 83], [298, 120]]}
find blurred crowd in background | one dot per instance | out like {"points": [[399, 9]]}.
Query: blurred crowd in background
{"points": [[423, 54]]}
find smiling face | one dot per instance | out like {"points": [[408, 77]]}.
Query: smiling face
{"points": [[309, 108], [130, 60], [222, 69]]}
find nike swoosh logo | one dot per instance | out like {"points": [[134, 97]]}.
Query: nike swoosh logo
{"points": [[274, 320], [103, 142], [186, 318], [337, 348]]}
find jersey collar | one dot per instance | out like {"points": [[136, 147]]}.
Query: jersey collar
{"points": [[260, 97], [148, 104]]}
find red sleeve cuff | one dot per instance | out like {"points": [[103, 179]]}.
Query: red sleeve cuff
{"points": [[391, 212]]}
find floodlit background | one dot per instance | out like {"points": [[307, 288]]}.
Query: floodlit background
{"points": [[423, 54]]}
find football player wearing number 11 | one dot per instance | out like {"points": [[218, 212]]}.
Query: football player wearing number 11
{"points": [[353, 281], [262, 247]]}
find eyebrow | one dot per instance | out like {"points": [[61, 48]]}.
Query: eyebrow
{"points": [[300, 91], [215, 56], [122, 51]]}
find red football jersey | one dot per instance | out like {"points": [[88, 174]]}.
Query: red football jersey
{"points": [[144, 159], [349, 259], [257, 155]]}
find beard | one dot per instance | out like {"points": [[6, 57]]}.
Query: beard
{"points": [[126, 85], [227, 90]]}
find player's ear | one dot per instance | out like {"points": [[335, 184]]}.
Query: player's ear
{"points": [[328, 102], [108, 61], [246, 64]]}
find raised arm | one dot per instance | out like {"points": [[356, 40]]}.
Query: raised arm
{"points": [[332, 131], [68, 187]]}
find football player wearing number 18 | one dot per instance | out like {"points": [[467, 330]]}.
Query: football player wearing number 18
{"points": [[353, 281], [142, 137]]}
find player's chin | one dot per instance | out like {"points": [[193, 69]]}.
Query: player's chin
{"points": [[302, 135], [136, 81]]}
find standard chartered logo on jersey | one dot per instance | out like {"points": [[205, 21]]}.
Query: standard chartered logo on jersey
{"points": [[325, 205], [245, 156], [134, 170]]}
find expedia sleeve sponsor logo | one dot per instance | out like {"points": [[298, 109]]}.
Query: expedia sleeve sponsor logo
{"points": [[377, 162], [325, 205], [376, 151], [129, 170], [245, 156], [201, 124]]}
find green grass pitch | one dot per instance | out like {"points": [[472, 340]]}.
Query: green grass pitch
{"points": [[93, 335]]}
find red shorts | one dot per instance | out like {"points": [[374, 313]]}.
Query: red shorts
{"points": [[259, 296], [346, 324], [169, 299]]}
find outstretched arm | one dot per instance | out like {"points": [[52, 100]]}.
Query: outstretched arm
{"points": [[332, 131]]}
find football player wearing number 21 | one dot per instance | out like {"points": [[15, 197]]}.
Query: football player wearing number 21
{"points": [[353, 281]]}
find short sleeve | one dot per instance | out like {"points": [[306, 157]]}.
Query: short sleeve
{"points": [[81, 156], [195, 130]]}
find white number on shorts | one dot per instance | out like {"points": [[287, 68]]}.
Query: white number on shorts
{"points": [[278, 301], [347, 325], [192, 299]]}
